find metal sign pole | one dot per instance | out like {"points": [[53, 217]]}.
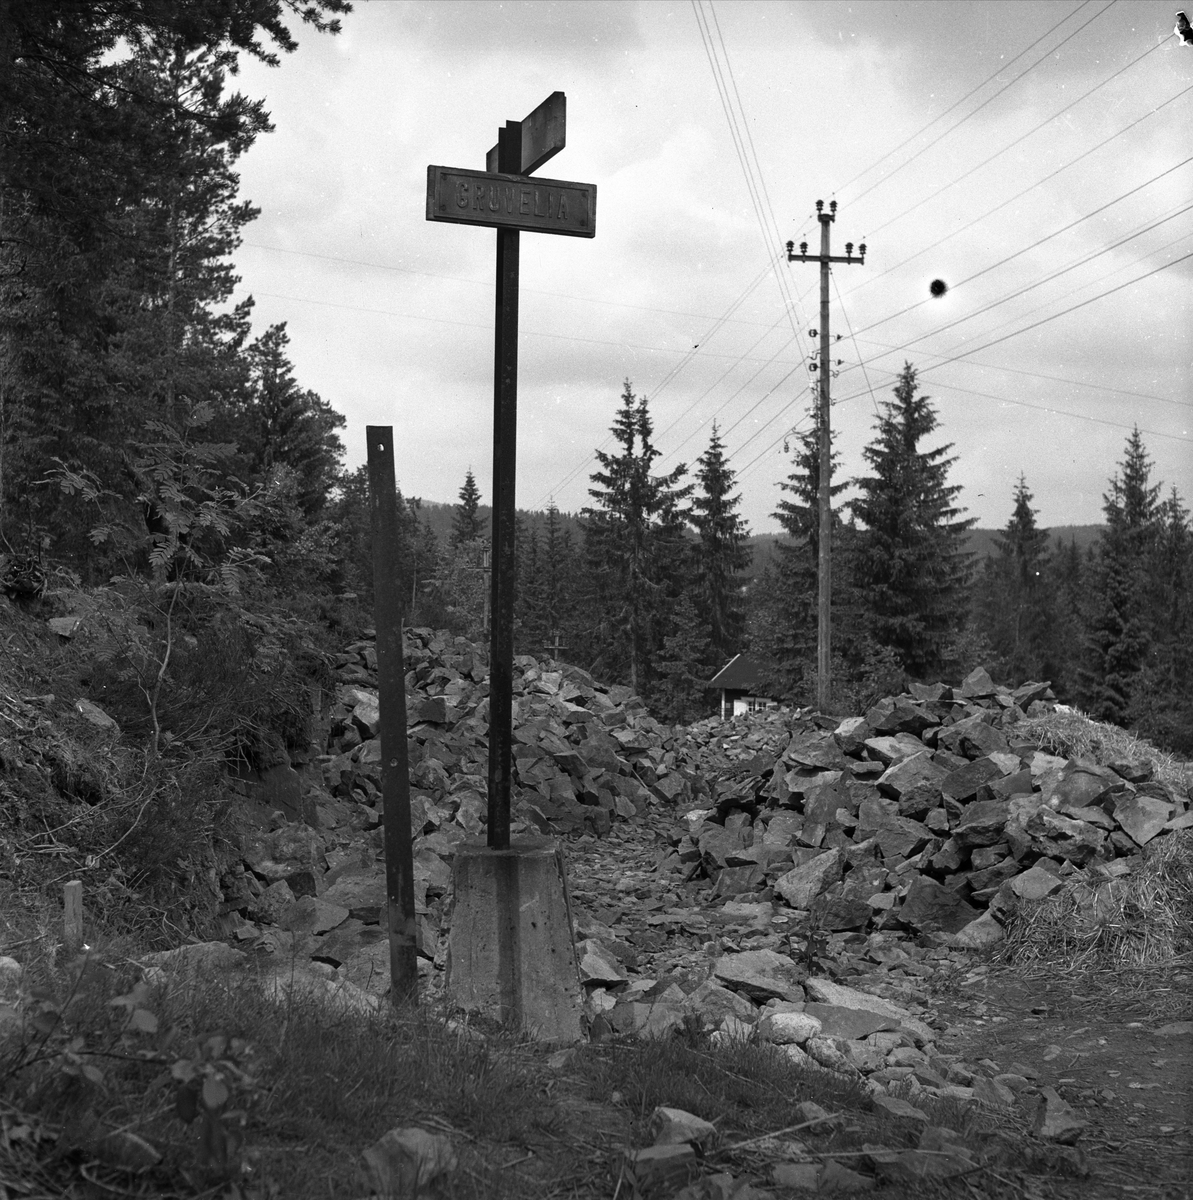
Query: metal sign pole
{"points": [[505, 435], [388, 594]]}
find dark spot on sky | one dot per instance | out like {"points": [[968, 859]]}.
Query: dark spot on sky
{"points": [[938, 287]]}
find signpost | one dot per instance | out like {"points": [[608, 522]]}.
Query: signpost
{"points": [[505, 198]]}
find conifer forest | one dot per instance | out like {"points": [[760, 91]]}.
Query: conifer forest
{"points": [[159, 453]]}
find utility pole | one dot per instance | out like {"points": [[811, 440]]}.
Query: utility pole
{"points": [[824, 559]]}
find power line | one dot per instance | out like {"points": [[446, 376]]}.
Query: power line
{"points": [[1072, 266], [360, 262], [1022, 137], [580, 467], [1071, 292], [924, 129], [1080, 383], [990, 99], [561, 337], [1035, 324], [1031, 188]]}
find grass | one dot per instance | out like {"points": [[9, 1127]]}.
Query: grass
{"points": [[1142, 919], [317, 1088], [91, 1095], [1071, 734]]}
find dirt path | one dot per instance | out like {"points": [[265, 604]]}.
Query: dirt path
{"points": [[1119, 1049]]}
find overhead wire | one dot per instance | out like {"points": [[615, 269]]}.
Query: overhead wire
{"points": [[1032, 245], [957, 103], [945, 361], [1071, 266], [377, 266], [990, 99], [1012, 144], [717, 325], [870, 279]]}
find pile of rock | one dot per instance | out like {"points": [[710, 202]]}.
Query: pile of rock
{"points": [[928, 814], [311, 883]]}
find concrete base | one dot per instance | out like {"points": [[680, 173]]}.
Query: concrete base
{"points": [[510, 950]]}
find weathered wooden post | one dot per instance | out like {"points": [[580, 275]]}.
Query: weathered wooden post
{"points": [[388, 597]]}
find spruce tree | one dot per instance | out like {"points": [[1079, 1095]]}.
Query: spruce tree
{"points": [[1065, 575], [633, 542], [721, 552], [1121, 626], [467, 525], [679, 695], [1161, 706], [912, 565], [282, 424], [1015, 608], [560, 564]]}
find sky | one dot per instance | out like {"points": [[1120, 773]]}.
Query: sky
{"points": [[1035, 157]]}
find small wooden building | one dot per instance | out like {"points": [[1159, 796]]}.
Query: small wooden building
{"points": [[740, 683]]}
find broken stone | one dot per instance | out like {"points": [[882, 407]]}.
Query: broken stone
{"points": [[714, 1003], [309, 914], [1035, 883], [1142, 817], [598, 964], [982, 823], [761, 975], [1078, 841], [840, 1021], [405, 1161], [993, 1093], [802, 885], [979, 934], [675, 1127], [932, 906], [659, 1167], [787, 1028], [1056, 1120]]}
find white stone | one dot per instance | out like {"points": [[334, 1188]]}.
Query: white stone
{"points": [[788, 1028]]}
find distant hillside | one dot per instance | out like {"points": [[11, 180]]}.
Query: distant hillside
{"points": [[981, 542], [439, 517]]}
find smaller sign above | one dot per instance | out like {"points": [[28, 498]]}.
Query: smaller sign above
{"points": [[544, 134], [465, 197]]}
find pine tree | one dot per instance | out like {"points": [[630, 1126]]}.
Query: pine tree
{"points": [[634, 547], [912, 564], [721, 552], [467, 525], [1120, 629], [1015, 606]]}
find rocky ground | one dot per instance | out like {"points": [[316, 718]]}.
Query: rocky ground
{"points": [[833, 888]]}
